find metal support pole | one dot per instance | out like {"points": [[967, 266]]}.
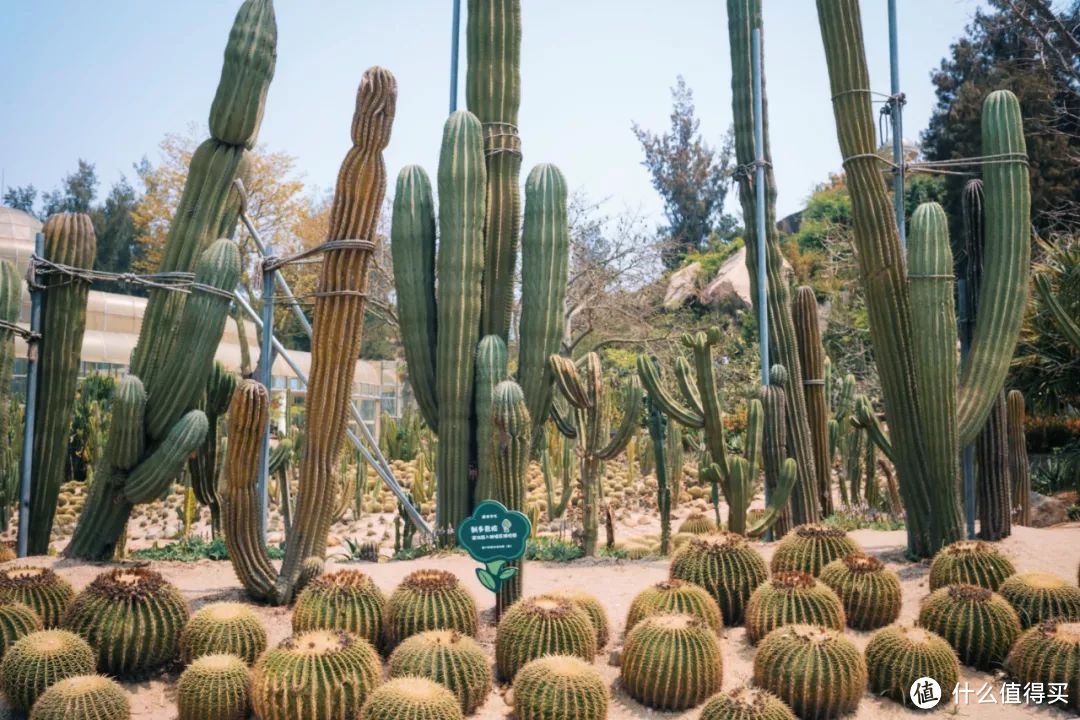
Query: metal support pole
{"points": [[759, 204], [896, 119], [455, 43], [266, 366], [22, 544]]}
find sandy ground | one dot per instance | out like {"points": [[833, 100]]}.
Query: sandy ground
{"points": [[615, 583]]}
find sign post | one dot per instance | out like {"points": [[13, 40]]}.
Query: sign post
{"points": [[495, 537]]}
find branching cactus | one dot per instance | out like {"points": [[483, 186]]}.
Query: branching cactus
{"points": [[701, 408], [582, 385], [931, 415], [511, 442], [156, 424]]}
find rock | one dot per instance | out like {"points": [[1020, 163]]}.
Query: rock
{"points": [[682, 286], [615, 658], [1047, 511]]}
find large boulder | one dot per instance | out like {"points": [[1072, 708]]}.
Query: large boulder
{"points": [[1047, 511]]}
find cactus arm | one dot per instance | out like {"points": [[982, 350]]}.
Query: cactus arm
{"points": [[250, 58], [490, 371], [563, 423], [650, 378], [555, 510], [701, 344], [1006, 260], [510, 443], [151, 477], [412, 246], [632, 404], [737, 491], [684, 375], [569, 382], [867, 419], [778, 501], [1067, 325]]}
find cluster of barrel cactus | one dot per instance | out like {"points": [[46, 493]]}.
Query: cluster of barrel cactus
{"points": [[429, 600], [979, 624], [671, 662], [675, 596], [538, 626], [792, 598], [817, 671], [449, 658], [40, 589], [870, 592], [560, 687], [223, 628], [726, 566]]}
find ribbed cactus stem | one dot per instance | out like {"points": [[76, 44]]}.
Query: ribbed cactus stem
{"points": [[511, 443], [1019, 470], [993, 484], [812, 357], [10, 304], [203, 465], [491, 370], [151, 478], [774, 447], [250, 57]]}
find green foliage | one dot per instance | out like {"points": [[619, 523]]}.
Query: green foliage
{"points": [[399, 438], [862, 519], [671, 662], [194, 548], [560, 687], [549, 549], [538, 626], [713, 256], [897, 656]]}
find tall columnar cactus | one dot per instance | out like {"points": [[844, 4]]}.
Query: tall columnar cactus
{"points": [[510, 445], [203, 466], [582, 385], [11, 284], [701, 408], [491, 369], [804, 311], [993, 483], [69, 240], [1019, 470], [917, 382], [659, 432], [180, 333], [774, 442]]}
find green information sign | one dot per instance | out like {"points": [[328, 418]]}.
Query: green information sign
{"points": [[494, 536]]}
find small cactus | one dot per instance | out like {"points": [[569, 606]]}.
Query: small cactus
{"points": [[979, 624], [16, 621], [726, 566], [449, 658], [818, 672], [746, 703], [318, 675], [39, 660], [345, 600], [214, 687], [870, 592], [42, 590], [83, 697], [225, 627], [671, 662], [792, 598], [675, 596], [1038, 596], [970, 562], [808, 548], [429, 600], [1049, 653], [413, 698], [560, 687], [131, 617], [897, 656], [538, 626], [597, 615], [697, 524]]}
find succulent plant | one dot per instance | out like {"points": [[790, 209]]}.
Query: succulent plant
{"points": [[671, 662], [223, 628], [318, 675], [1049, 653], [538, 626], [40, 659], [792, 598], [214, 687], [1039, 596], [411, 697], [675, 596], [429, 600], [970, 562], [726, 566], [560, 687], [449, 658], [345, 600], [595, 610], [698, 524], [511, 436], [979, 624], [897, 656], [808, 548], [16, 621], [870, 592], [817, 671], [746, 703], [83, 697], [41, 589], [131, 617]]}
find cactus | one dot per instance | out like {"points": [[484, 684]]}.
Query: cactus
{"points": [[671, 662], [792, 598], [702, 410], [39, 660], [870, 592], [804, 312], [1019, 470], [411, 697], [203, 466], [666, 442], [83, 697], [560, 687], [214, 687], [534, 627], [931, 415], [583, 387], [808, 548], [591, 607], [132, 618], [69, 240], [675, 596], [449, 658], [979, 624], [726, 566], [774, 441], [697, 523], [1049, 653], [562, 448], [319, 675], [817, 671], [897, 656], [345, 600], [972, 563], [509, 446], [223, 628], [491, 370], [993, 483], [11, 284], [208, 209], [16, 620], [40, 589], [429, 600], [1038, 596], [746, 703]]}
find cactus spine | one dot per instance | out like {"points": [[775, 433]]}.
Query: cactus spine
{"points": [[1019, 470], [40, 589], [448, 658], [11, 284], [510, 444], [70, 241], [671, 662], [979, 624], [897, 656], [560, 687], [83, 697], [914, 401], [214, 687], [726, 566]]}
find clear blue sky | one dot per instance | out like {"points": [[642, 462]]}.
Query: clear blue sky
{"points": [[106, 79]]}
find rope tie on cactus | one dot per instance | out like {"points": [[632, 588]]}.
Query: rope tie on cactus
{"points": [[501, 137], [182, 282], [746, 170], [272, 262], [28, 335], [942, 167]]}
